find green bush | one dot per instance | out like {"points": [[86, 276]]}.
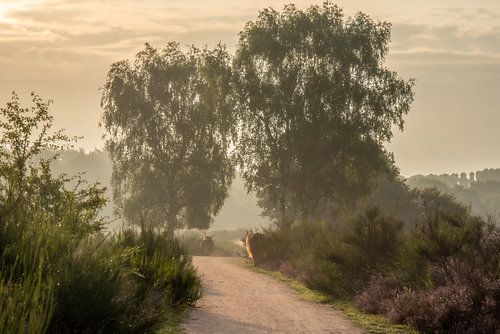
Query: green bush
{"points": [[366, 247], [337, 260], [439, 274], [159, 263], [445, 278], [58, 272], [88, 293]]}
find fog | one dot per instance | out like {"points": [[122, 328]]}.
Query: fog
{"points": [[241, 168], [451, 48]]}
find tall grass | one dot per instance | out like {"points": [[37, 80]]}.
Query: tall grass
{"points": [[26, 300], [64, 279]]}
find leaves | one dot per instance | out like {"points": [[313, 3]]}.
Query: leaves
{"points": [[169, 117], [315, 104]]}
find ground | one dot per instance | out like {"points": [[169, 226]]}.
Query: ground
{"points": [[238, 300]]}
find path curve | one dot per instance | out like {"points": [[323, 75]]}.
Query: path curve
{"points": [[238, 300]]}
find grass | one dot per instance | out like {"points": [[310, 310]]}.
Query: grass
{"points": [[372, 323], [172, 323]]}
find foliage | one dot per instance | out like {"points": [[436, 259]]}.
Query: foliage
{"points": [[453, 308], [395, 198], [26, 302], [315, 104], [440, 274], [367, 246], [169, 120], [93, 167], [87, 294], [446, 277], [58, 272]]}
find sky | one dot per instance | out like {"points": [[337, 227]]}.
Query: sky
{"points": [[62, 50]]}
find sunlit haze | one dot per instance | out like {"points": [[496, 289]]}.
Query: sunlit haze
{"points": [[62, 49]]}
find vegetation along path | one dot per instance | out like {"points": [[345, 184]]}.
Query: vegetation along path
{"points": [[238, 300]]}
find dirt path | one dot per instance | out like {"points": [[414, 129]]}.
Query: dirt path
{"points": [[238, 300]]}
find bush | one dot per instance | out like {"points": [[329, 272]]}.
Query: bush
{"points": [[378, 294], [446, 276], [455, 308], [88, 293], [346, 262], [58, 272], [159, 263], [439, 275]]}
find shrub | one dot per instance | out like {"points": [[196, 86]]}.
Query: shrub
{"points": [[441, 275], [455, 308], [347, 261], [160, 263], [58, 271], [446, 273], [88, 293], [378, 294]]}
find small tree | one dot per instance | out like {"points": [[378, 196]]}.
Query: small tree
{"points": [[26, 182], [169, 120], [315, 104]]}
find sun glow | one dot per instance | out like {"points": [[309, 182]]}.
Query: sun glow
{"points": [[6, 7], [4, 12]]}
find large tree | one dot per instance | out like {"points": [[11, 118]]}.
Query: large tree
{"points": [[168, 116], [316, 105]]}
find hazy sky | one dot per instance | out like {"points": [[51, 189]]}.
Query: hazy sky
{"points": [[62, 49]]}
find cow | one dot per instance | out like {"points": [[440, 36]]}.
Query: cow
{"points": [[207, 244], [255, 246]]}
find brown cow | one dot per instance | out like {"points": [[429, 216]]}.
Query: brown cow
{"points": [[254, 243], [207, 245]]}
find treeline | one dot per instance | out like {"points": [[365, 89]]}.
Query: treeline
{"points": [[480, 191], [241, 210]]}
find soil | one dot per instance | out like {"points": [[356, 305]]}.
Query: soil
{"points": [[238, 300]]}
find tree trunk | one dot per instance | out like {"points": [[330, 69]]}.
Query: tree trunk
{"points": [[285, 222], [171, 223]]}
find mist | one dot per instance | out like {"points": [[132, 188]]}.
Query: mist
{"points": [[249, 167]]}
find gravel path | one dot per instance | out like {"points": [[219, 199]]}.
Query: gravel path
{"points": [[238, 300]]}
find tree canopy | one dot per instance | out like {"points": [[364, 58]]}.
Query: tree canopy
{"points": [[316, 104], [169, 117]]}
